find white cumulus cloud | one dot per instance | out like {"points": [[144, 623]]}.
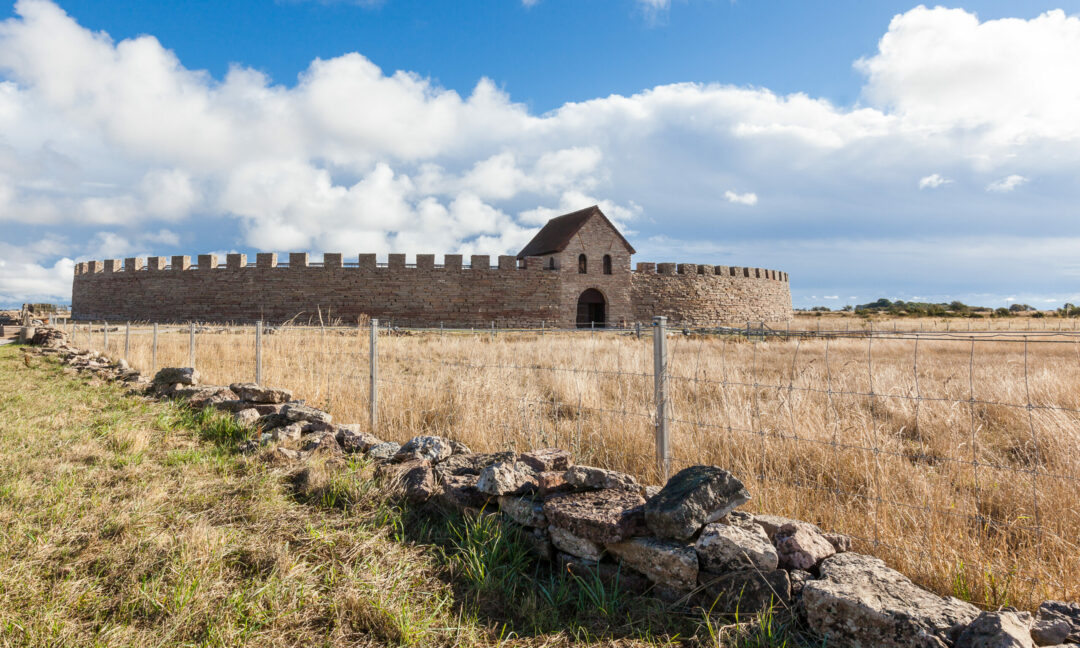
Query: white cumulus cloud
{"points": [[749, 199], [104, 143], [933, 181], [1006, 184]]}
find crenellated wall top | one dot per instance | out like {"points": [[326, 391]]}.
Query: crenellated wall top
{"points": [[334, 260], [300, 260]]}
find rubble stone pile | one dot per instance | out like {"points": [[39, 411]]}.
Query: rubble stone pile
{"points": [[685, 541]]}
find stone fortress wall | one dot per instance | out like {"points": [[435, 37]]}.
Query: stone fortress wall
{"points": [[515, 293], [702, 295]]}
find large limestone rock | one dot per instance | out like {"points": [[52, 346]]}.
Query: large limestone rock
{"points": [[605, 516], [575, 545], [470, 464], [272, 420], [729, 548], [353, 438], [771, 524], [553, 482], [300, 412], [524, 510], [204, 395], [800, 546], [415, 478], [839, 541], [746, 591], [691, 499], [289, 432], [247, 416], [667, 563], [590, 478], [323, 443], [235, 405], [431, 448], [384, 451], [1067, 612], [507, 478], [255, 394], [547, 459], [1050, 632], [860, 602], [1004, 629], [176, 376], [459, 492]]}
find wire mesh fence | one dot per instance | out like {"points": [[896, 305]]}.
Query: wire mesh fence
{"points": [[954, 455]]}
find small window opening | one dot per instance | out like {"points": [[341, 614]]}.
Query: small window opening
{"points": [[551, 263], [607, 264], [582, 264]]}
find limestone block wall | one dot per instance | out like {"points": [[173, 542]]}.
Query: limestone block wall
{"points": [[512, 294], [705, 295], [423, 294]]}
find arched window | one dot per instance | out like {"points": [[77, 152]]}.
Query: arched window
{"points": [[607, 264], [551, 263], [582, 264]]}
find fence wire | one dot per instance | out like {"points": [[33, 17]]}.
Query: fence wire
{"points": [[953, 454]]}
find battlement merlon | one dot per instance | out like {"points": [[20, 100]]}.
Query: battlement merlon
{"points": [[301, 261], [735, 272]]}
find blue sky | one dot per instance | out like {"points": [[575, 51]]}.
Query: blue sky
{"points": [[868, 148]]}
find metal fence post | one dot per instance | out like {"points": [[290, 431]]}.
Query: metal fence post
{"points": [[373, 364], [153, 352], [105, 329], [258, 352], [127, 341], [492, 330], [191, 344], [637, 330], [660, 385]]}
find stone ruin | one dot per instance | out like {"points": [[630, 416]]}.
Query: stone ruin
{"points": [[686, 541]]}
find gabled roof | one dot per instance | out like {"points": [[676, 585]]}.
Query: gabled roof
{"points": [[559, 231]]}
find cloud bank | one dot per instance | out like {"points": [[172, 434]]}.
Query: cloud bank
{"points": [[111, 148]]}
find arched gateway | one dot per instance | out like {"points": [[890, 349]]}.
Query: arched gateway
{"points": [[591, 309]]}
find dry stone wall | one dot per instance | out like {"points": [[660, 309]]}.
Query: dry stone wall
{"points": [[686, 541]]}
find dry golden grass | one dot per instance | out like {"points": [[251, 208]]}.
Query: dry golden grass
{"points": [[129, 522], [925, 450]]}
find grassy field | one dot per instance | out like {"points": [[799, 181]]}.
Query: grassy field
{"points": [[126, 522], [953, 456]]}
